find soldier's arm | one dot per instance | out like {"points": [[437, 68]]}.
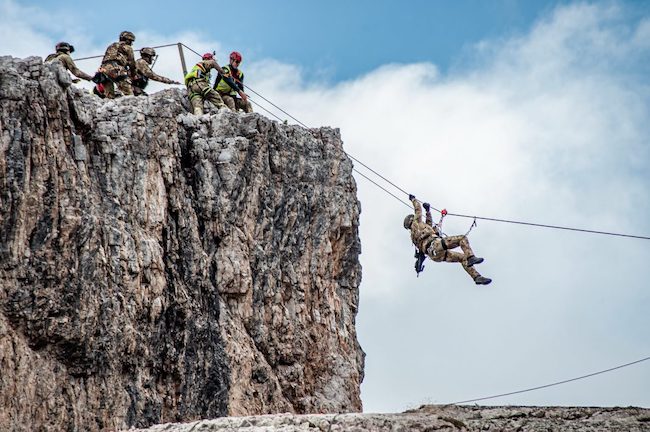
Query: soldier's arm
{"points": [[146, 71], [418, 209], [225, 75], [130, 61], [429, 218], [69, 65]]}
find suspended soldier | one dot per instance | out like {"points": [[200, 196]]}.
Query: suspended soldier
{"points": [[118, 67], [144, 72], [63, 51], [228, 93], [428, 239], [197, 82]]}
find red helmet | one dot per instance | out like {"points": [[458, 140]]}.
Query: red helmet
{"points": [[235, 56], [208, 56]]}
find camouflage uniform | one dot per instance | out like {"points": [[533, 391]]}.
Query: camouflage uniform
{"points": [[68, 63], [427, 238], [144, 74], [198, 88], [119, 66], [228, 94]]}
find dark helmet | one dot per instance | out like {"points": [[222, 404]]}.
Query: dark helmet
{"points": [[148, 52], [65, 47], [127, 36], [235, 56], [408, 221], [207, 56]]}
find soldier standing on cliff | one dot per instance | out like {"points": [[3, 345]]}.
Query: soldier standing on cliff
{"points": [[430, 241], [144, 72], [63, 51], [229, 94], [118, 65], [198, 84]]}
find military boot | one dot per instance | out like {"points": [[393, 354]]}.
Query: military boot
{"points": [[480, 280], [473, 260]]}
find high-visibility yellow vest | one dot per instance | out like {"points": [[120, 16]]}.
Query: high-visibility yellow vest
{"points": [[197, 72], [223, 87]]}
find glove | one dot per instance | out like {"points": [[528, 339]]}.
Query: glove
{"points": [[411, 197], [444, 212], [427, 206]]}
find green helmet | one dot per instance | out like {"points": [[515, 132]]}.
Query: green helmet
{"points": [[148, 52], [127, 36], [408, 221]]}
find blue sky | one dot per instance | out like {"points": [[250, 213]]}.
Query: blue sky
{"points": [[337, 38], [530, 110]]}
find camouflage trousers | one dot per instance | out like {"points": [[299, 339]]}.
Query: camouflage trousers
{"points": [[116, 74], [235, 103], [198, 91], [124, 86], [441, 252]]}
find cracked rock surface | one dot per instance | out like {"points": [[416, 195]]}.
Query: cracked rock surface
{"points": [[157, 266], [431, 418]]}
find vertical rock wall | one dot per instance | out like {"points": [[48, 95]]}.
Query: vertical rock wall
{"points": [[156, 266]]}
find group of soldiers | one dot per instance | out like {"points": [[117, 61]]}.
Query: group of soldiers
{"points": [[119, 68]]}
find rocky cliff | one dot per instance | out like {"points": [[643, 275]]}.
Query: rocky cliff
{"points": [[156, 266]]}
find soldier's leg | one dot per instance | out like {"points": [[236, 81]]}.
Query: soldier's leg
{"points": [[125, 87], [459, 240], [213, 97], [109, 89], [229, 101], [197, 103], [440, 251], [244, 106]]}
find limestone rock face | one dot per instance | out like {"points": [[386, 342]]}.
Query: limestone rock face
{"points": [[156, 266], [436, 418]]}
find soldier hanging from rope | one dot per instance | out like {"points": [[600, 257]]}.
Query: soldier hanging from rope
{"points": [[429, 240]]}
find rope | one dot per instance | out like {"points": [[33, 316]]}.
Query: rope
{"points": [[552, 384], [102, 56], [381, 187], [549, 226]]}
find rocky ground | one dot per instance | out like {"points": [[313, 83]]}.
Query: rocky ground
{"points": [[431, 418]]}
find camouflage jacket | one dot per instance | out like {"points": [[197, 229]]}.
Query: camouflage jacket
{"points": [[68, 63], [422, 232], [144, 70], [122, 54]]}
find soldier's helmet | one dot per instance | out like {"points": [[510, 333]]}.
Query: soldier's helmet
{"points": [[127, 36], [148, 52], [408, 221], [207, 56], [235, 56], [65, 47]]}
